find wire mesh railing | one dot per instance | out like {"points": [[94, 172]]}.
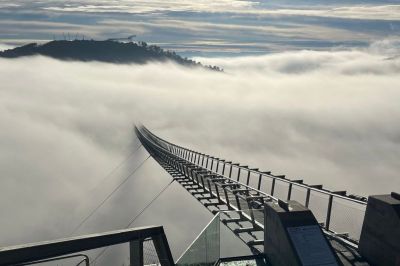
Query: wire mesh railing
{"points": [[333, 209], [150, 256]]}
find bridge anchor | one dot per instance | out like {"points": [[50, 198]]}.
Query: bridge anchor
{"points": [[380, 235], [293, 237]]}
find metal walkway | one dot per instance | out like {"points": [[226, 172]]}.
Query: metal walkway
{"points": [[222, 185]]}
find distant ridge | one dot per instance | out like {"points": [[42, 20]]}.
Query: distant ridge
{"points": [[103, 51]]}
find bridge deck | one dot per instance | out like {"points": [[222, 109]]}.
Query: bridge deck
{"points": [[219, 193]]}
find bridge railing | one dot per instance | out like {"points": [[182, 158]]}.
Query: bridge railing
{"points": [[52, 250], [335, 210], [205, 249]]}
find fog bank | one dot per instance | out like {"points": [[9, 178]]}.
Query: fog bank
{"points": [[328, 117]]}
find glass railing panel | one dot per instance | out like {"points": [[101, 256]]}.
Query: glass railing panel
{"points": [[212, 235], [205, 249], [233, 245]]}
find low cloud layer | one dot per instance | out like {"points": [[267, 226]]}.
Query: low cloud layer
{"points": [[328, 117]]}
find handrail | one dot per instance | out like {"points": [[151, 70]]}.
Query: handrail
{"points": [[323, 191], [85, 259], [141, 135], [234, 181], [217, 167], [49, 249]]}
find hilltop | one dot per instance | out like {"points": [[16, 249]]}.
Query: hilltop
{"points": [[103, 51]]}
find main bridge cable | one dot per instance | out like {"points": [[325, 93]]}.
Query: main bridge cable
{"points": [[137, 216], [107, 198]]}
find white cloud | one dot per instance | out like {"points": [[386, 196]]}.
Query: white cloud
{"points": [[142, 6], [8, 5], [328, 117], [4, 46], [378, 12], [370, 11], [324, 62], [199, 36], [204, 27], [388, 47]]}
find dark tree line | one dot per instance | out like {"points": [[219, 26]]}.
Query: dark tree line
{"points": [[104, 51]]}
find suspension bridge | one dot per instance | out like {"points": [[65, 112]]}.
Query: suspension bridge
{"points": [[282, 221]]}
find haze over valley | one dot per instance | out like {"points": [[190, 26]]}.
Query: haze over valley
{"points": [[308, 89]]}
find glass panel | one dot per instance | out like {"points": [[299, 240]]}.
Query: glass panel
{"points": [[212, 234], [236, 220], [205, 250]]}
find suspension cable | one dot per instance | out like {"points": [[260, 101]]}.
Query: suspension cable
{"points": [[107, 198], [148, 205], [136, 217], [116, 167]]}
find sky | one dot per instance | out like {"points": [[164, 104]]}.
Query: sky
{"points": [[206, 27], [310, 90]]}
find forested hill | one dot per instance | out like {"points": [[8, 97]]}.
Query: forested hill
{"points": [[103, 51]]}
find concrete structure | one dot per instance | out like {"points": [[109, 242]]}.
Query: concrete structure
{"points": [[293, 237], [380, 236]]}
